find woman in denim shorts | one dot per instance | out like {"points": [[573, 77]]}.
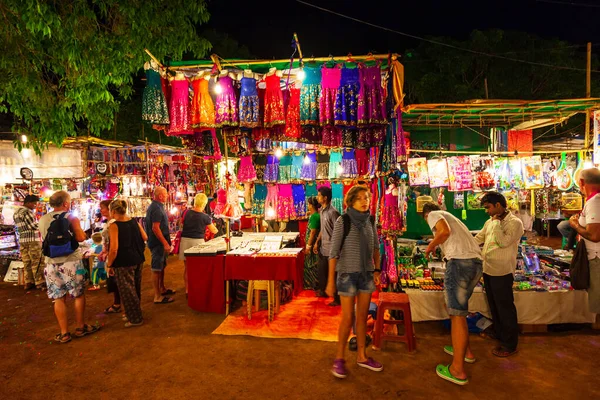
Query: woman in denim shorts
{"points": [[355, 257]]}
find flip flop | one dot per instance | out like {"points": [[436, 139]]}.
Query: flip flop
{"points": [[168, 292], [443, 371], [132, 325], [165, 300], [449, 350], [112, 310]]}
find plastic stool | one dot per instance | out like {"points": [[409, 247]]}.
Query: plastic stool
{"points": [[394, 301], [273, 294]]}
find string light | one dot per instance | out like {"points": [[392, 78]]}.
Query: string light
{"points": [[173, 210], [218, 88], [301, 75], [306, 160], [270, 212], [278, 153], [24, 139], [340, 169]]}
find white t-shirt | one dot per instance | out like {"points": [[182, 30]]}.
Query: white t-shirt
{"points": [[44, 224], [460, 245], [591, 215]]}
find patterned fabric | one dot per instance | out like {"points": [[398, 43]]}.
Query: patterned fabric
{"points": [[154, 104], [337, 196], [311, 190], [203, 108], [180, 108], [309, 96], [362, 162], [246, 172], [274, 112], [293, 129], [311, 260], [260, 163], [272, 169], [329, 86], [226, 104], [391, 223], [65, 278], [285, 169], [31, 255], [297, 162], [346, 101], [309, 169], [371, 101], [271, 203], [285, 203], [349, 164], [335, 162], [249, 104], [26, 225], [258, 200], [129, 281], [349, 137], [322, 165], [299, 201], [332, 136]]}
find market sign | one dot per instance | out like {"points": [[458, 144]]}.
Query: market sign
{"points": [[26, 173], [101, 168]]}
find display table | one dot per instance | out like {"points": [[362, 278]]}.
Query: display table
{"points": [[533, 308], [206, 289]]}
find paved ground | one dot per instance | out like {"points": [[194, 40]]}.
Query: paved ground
{"points": [[174, 356]]}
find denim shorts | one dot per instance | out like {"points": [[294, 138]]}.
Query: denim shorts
{"points": [[459, 281], [159, 258], [350, 284]]}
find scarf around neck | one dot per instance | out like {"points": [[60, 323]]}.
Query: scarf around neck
{"points": [[360, 220]]}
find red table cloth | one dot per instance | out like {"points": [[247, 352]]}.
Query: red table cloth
{"points": [[206, 289], [266, 268]]}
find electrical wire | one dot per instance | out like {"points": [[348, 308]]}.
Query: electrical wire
{"points": [[442, 43], [569, 3]]}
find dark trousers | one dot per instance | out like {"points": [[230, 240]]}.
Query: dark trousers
{"points": [[129, 280], [499, 292], [324, 275]]}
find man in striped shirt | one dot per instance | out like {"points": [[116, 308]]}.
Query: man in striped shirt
{"points": [[30, 245], [500, 238]]}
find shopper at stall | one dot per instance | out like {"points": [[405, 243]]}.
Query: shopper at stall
{"points": [[588, 226], [311, 261], [195, 222], [500, 237], [126, 259], [111, 281], [65, 274], [463, 271], [354, 255], [159, 243], [30, 245], [328, 216]]}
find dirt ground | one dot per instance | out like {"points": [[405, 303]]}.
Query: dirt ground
{"points": [[174, 356]]}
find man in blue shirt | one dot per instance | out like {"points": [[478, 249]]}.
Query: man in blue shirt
{"points": [[159, 243]]}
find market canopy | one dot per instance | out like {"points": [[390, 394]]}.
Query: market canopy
{"points": [[514, 114]]}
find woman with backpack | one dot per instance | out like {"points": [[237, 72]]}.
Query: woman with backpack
{"points": [[355, 256], [126, 259]]}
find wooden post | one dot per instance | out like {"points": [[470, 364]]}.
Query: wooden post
{"points": [[487, 94], [588, 72]]}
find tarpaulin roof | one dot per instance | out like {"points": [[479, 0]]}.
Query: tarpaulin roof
{"points": [[523, 114]]}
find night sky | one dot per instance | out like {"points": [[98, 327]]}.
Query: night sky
{"points": [[266, 27]]}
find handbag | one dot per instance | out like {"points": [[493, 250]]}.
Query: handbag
{"points": [[177, 240], [580, 268]]}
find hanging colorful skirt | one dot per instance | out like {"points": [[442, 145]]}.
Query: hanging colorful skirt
{"points": [[349, 164], [154, 103], [337, 196], [335, 165], [309, 104], [258, 200], [297, 162], [362, 162], [260, 162], [322, 165], [271, 169], [249, 104], [246, 171], [309, 169], [285, 169], [293, 129], [271, 203], [299, 200], [285, 203], [311, 190], [332, 136], [226, 104], [346, 102]]}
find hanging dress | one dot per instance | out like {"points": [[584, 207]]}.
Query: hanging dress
{"points": [[203, 108], [371, 101], [258, 200], [154, 103], [337, 196], [335, 165], [226, 104], [246, 171], [274, 113], [285, 203], [285, 169], [297, 162], [271, 203], [309, 168], [309, 96], [391, 223], [330, 82], [180, 108], [349, 164], [346, 102], [293, 129], [271, 169], [299, 200], [249, 104], [322, 165]]}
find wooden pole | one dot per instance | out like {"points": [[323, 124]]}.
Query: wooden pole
{"points": [[588, 94], [487, 94]]}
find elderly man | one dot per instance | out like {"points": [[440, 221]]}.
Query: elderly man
{"points": [[159, 243], [500, 238], [463, 271], [30, 245], [65, 274], [587, 225]]}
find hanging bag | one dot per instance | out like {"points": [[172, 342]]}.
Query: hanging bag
{"points": [[177, 240], [580, 268]]}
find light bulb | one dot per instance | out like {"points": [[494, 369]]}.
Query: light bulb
{"points": [[23, 138], [270, 212], [278, 153], [218, 88], [178, 195], [306, 160], [340, 169], [301, 75], [173, 210]]}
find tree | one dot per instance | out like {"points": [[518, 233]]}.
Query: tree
{"points": [[65, 65]]}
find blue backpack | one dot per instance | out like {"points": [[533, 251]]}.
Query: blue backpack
{"points": [[59, 240]]}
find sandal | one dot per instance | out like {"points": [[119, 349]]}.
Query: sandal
{"points": [[112, 310], [60, 338], [168, 292], [131, 324], [86, 330], [443, 371], [503, 352], [449, 350], [165, 300]]}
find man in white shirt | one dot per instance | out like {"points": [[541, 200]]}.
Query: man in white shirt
{"points": [[588, 226], [65, 275], [463, 271], [500, 238]]}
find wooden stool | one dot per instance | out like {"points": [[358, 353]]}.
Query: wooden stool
{"points": [[394, 301], [273, 296]]}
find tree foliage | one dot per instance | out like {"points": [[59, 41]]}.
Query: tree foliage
{"points": [[65, 65], [437, 74]]}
